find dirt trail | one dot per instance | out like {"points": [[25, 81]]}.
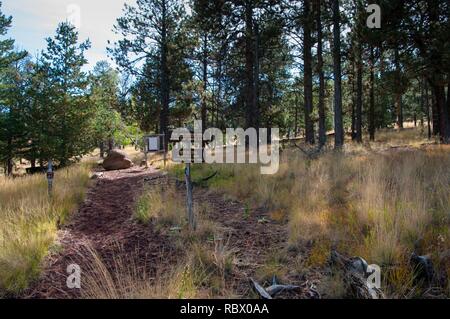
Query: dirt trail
{"points": [[104, 222], [259, 241]]}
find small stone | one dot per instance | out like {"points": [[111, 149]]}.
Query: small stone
{"points": [[97, 175]]}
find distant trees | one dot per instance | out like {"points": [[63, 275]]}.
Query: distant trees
{"points": [[104, 99], [308, 67], [154, 50], [50, 108], [11, 98], [257, 62]]}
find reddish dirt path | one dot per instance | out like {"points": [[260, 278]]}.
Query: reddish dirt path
{"points": [[257, 240], [104, 222]]}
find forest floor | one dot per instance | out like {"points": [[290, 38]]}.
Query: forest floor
{"points": [[129, 236], [104, 224]]}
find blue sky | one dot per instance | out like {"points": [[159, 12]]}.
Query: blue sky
{"points": [[35, 20]]}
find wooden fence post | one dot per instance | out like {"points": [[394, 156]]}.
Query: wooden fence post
{"points": [[189, 198], [50, 176]]}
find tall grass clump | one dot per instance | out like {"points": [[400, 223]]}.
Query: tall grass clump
{"points": [[382, 207], [162, 205], [202, 271], [29, 220]]}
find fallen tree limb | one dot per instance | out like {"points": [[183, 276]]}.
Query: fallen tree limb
{"points": [[311, 154], [356, 276], [260, 290]]}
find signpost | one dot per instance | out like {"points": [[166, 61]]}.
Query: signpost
{"points": [[196, 151], [189, 198]]}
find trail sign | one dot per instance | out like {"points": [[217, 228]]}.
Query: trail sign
{"points": [[153, 144]]}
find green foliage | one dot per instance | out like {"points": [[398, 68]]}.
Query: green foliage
{"points": [[65, 95], [157, 58], [11, 96]]}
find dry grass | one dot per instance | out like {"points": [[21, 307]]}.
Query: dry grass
{"points": [[204, 267], [376, 201], [162, 205], [202, 272], [29, 221], [165, 207], [377, 207]]}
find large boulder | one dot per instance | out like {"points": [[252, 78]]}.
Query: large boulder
{"points": [[116, 160]]}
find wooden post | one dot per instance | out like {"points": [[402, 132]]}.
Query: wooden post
{"points": [[165, 150], [146, 151], [189, 198], [50, 175]]}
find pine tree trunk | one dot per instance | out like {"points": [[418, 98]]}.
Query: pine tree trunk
{"points": [[256, 77], [442, 110], [308, 86], [338, 123], [9, 160], [354, 99], [205, 80], [359, 98], [250, 67], [372, 96], [398, 93], [322, 114], [165, 87], [427, 106], [296, 117], [435, 115]]}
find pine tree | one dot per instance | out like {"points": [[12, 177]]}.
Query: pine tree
{"points": [[66, 96], [104, 98], [11, 99], [155, 34]]}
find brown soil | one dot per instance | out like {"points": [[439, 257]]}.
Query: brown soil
{"points": [[104, 222]]}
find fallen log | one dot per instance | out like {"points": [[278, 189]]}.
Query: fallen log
{"points": [[260, 290], [277, 289], [272, 291]]}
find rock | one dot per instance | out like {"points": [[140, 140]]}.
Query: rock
{"points": [[97, 175], [116, 160]]}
